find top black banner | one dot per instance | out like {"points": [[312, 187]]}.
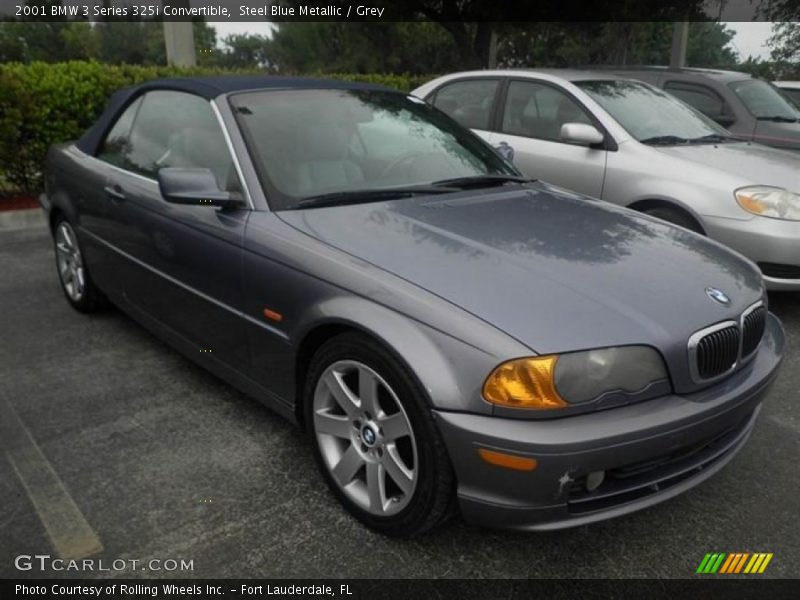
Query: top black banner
{"points": [[400, 10]]}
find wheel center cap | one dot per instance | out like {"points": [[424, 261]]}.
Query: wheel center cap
{"points": [[369, 435]]}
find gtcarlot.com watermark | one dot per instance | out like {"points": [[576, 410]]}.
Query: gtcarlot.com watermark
{"points": [[44, 562]]}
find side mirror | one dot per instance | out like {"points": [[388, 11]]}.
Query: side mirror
{"points": [[581, 133], [194, 186], [505, 150]]}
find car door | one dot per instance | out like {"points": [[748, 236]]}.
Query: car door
{"points": [[183, 264], [530, 120], [471, 102], [99, 209]]}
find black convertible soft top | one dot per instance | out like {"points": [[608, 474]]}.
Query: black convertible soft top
{"points": [[207, 87]]}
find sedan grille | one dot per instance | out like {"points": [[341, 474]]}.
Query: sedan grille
{"points": [[717, 352], [719, 349], [753, 327]]}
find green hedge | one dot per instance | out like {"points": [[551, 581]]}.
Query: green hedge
{"points": [[46, 103]]}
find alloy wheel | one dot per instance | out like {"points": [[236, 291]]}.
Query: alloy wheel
{"points": [[70, 262], [365, 438]]}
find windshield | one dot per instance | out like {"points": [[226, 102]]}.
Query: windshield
{"points": [[763, 100], [648, 113], [349, 144]]}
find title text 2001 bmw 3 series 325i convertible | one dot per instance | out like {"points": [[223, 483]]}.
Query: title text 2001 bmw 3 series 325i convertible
{"points": [[445, 329]]}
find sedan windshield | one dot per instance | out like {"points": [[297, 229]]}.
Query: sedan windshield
{"points": [[764, 101], [653, 116], [319, 147]]}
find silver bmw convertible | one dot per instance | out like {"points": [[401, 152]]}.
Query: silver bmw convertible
{"points": [[450, 333]]}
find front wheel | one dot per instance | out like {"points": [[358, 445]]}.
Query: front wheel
{"points": [[374, 438]]}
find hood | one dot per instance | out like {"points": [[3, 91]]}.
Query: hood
{"points": [[552, 269], [780, 135], [754, 163]]}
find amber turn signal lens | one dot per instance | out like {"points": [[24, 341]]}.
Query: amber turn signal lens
{"points": [[509, 461], [524, 383], [752, 205]]}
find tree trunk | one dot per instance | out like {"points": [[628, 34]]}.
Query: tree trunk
{"points": [[482, 46]]}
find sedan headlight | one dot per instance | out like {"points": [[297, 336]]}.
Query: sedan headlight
{"points": [[560, 381], [768, 201]]}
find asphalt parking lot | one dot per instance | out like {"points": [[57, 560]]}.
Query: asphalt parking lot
{"points": [[100, 420]]}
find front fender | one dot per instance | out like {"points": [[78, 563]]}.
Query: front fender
{"points": [[451, 371]]}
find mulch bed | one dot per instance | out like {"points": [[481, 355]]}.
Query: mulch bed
{"points": [[18, 202]]}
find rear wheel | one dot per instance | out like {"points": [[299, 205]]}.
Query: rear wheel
{"points": [[676, 217], [72, 271], [374, 438]]}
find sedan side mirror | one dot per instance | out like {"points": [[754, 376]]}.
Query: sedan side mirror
{"points": [[505, 150], [194, 186], [581, 133]]}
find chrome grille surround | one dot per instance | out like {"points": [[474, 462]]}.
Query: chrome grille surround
{"points": [[718, 338]]}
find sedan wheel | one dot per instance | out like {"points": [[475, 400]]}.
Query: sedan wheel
{"points": [[375, 439], [72, 270]]}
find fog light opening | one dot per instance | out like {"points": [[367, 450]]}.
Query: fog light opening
{"points": [[594, 480]]}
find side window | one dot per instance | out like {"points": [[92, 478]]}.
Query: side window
{"points": [[793, 94], [115, 146], [175, 129], [538, 111], [703, 99], [468, 102]]}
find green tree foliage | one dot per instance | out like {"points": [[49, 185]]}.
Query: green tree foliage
{"points": [[620, 43], [391, 47], [242, 50], [111, 41], [784, 42]]}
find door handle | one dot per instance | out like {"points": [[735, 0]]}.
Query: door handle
{"points": [[115, 192]]}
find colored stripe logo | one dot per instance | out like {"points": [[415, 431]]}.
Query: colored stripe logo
{"points": [[732, 563]]}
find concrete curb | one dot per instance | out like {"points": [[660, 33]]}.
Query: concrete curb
{"points": [[22, 219]]}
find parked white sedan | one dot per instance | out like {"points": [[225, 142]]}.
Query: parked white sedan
{"points": [[636, 145]]}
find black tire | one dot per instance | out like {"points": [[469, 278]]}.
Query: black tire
{"points": [[90, 299], [432, 500], [676, 217]]}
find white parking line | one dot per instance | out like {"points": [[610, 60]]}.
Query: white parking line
{"points": [[69, 532]]}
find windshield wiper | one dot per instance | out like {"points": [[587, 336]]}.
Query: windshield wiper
{"points": [[361, 196], [664, 140], [779, 119], [714, 138], [481, 181]]}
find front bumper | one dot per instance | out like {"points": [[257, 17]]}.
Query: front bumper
{"points": [[762, 240], [650, 451]]}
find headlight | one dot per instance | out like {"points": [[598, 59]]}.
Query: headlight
{"points": [[554, 382], [767, 201]]}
